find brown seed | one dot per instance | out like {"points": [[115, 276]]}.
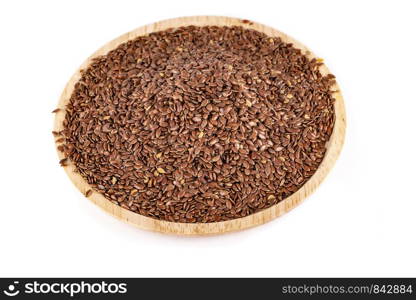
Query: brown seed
{"points": [[63, 162], [247, 22], [170, 187], [216, 158], [56, 110], [88, 193], [213, 142]]}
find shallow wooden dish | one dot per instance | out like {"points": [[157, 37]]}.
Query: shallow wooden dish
{"points": [[333, 148]]}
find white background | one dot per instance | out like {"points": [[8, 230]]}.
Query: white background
{"points": [[360, 222]]}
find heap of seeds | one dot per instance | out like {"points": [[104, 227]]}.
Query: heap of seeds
{"points": [[199, 124]]}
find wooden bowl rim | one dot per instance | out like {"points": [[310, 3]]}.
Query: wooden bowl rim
{"points": [[333, 149]]}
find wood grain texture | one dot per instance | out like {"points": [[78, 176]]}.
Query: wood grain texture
{"points": [[334, 145]]}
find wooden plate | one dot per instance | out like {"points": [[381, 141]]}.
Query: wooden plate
{"points": [[334, 145]]}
